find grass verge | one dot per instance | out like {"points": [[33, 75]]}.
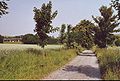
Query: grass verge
{"points": [[109, 60], [31, 63]]}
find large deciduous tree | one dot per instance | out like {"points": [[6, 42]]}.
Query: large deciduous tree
{"points": [[3, 7], [106, 26], [84, 33], [43, 18]]}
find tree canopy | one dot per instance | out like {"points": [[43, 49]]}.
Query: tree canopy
{"points": [[30, 39], [43, 18], [84, 33], [3, 7], [106, 26], [116, 5]]}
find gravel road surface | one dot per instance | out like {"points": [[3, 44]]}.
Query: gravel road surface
{"points": [[82, 67]]}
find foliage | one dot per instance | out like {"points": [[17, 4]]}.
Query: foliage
{"points": [[62, 33], [116, 5], [69, 37], [84, 34], [43, 18], [31, 63], [106, 25], [109, 60], [3, 7], [1, 39], [30, 39], [52, 40], [117, 42]]}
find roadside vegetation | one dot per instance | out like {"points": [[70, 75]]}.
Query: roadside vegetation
{"points": [[31, 63], [109, 60]]}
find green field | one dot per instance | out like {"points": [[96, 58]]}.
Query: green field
{"points": [[18, 61], [26, 46]]}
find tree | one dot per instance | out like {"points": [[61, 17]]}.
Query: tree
{"points": [[69, 38], [106, 26], [1, 39], [30, 39], [84, 33], [52, 40], [43, 18], [3, 8], [62, 33]]}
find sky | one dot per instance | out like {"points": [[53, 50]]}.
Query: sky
{"points": [[20, 20]]}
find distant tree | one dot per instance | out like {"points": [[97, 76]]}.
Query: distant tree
{"points": [[62, 33], [106, 26], [52, 40], [43, 18], [3, 7], [69, 36], [30, 39], [1, 39], [84, 33]]}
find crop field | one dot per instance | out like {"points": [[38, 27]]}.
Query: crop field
{"points": [[18, 61], [26, 46]]}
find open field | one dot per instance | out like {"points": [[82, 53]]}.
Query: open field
{"points": [[26, 46], [109, 60], [29, 62]]}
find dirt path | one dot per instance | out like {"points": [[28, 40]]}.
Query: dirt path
{"points": [[83, 67]]}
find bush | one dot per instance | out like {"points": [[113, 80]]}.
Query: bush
{"points": [[30, 39]]}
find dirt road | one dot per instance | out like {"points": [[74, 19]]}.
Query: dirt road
{"points": [[83, 67]]}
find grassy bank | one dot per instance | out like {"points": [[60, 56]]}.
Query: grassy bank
{"points": [[31, 63], [109, 60]]}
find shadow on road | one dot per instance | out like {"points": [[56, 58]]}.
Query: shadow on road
{"points": [[87, 70], [87, 55]]}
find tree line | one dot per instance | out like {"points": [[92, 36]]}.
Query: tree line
{"points": [[85, 33], [31, 39]]}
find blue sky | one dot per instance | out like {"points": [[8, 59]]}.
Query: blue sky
{"points": [[20, 21]]}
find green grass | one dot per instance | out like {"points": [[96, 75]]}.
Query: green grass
{"points": [[31, 63], [109, 60], [26, 46]]}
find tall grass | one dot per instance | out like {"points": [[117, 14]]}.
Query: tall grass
{"points": [[109, 60], [31, 63]]}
